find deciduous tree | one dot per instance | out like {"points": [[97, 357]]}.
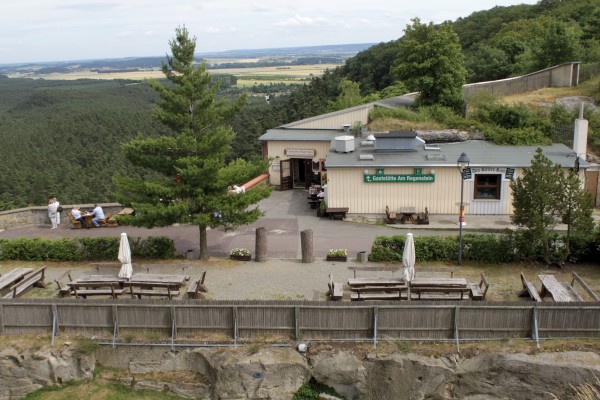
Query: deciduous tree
{"points": [[190, 177], [431, 62]]}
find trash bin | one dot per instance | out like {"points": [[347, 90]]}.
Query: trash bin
{"points": [[361, 256], [189, 255]]}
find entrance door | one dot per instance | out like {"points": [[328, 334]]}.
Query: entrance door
{"points": [[285, 174]]}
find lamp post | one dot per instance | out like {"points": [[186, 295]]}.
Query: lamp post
{"points": [[462, 163]]}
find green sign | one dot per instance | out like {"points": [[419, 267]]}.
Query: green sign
{"points": [[399, 178]]}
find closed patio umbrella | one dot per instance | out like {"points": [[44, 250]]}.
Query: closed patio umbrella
{"points": [[408, 261], [125, 258]]}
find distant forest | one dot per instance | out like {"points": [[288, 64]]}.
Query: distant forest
{"points": [[62, 138]]}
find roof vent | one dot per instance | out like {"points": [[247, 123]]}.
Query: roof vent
{"points": [[344, 144], [436, 157], [431, 147], [366, 157]]}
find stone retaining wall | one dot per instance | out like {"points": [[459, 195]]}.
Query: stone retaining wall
{"points": [[38, 215]]}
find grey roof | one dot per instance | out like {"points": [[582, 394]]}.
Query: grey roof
{"points": [[393, 102], [480, 152], [299, 135]]}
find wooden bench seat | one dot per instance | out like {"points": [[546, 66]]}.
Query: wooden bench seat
{"points": [[337, 212], [390, 217], [377, 293], [585, 287], [85, 289], [529, 289], [197, 286], [76, 224], [139, 292], [35, 278], [335, 289], [440, 293], [64, 289], [479, 290]]}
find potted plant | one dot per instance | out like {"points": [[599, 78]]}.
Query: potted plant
{"points": [[337, 255], [321, 212], [240, 254]]}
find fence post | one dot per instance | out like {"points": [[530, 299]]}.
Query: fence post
{"points": [[54, 324], [115, 318], [535, 332], [234, 312], [297, 323], [375, 315], [1, 320], [456, 314], [173, 327]]}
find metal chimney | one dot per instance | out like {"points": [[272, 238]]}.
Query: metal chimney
{"points": [[580, 135]]}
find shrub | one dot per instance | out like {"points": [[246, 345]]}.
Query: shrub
{"points": [[88, 249], [240, 252], [337, 253]]}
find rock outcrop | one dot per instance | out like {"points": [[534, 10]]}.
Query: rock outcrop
{"points": [[277, 373]]}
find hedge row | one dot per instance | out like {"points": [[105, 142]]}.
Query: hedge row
{"points": [[84, 249], [486, 248]]}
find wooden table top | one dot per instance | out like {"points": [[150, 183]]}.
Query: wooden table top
{"points": [[100, 279], [555, 288], [375, 281], [12, 276], [439, 282], [158, 278]]}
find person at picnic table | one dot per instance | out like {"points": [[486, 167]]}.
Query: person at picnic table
{"points": [[98, 214], [52, 211], [321, 194], [76, 213]]}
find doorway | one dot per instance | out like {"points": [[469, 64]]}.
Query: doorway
{"points": [[302, 172]]}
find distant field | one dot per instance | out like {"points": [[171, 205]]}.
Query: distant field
{"points": [[246, 76]]}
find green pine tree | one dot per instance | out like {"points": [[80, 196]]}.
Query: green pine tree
{"points": [[188, 177]]}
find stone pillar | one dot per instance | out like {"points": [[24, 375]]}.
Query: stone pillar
{"points": [[261, 245], [306, 243]]}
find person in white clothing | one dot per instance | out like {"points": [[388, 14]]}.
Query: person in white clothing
{"points": [[52, 211], [58, 210]]}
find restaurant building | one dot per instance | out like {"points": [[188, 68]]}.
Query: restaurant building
{"points": [[367, 171]]}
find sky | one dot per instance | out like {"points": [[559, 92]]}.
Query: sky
{"points": [[66, 30]]}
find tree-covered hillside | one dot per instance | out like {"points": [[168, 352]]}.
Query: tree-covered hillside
{"points": [[63, 138]]}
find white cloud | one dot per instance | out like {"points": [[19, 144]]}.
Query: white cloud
{"points": [[212, 29], [299, 20]]}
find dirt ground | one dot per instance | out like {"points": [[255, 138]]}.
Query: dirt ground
{"points": [[292, 280]]}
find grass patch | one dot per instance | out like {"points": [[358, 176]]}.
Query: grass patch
{"points": [[86, 346], [91, 390]]}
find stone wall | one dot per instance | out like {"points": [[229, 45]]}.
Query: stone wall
{"points": [[247, 372], [39, 215], [563, 75]]}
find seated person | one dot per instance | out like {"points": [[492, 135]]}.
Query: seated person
{"points": [[77, 216], [239, 189], [98, 215], [321, 194]]}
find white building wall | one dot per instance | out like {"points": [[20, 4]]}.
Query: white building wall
{"points": [[346, 188], [277, 149]]}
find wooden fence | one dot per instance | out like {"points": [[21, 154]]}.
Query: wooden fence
{"points": [[238, 320], [588, 71]]}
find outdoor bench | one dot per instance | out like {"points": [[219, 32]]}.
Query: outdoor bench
{"points": [[152, 289], [196, 287], [337, 212], [377, 293], [336, 290], [441, 293], [35, 278], [85, 289], [529, 289], [478, 291]]}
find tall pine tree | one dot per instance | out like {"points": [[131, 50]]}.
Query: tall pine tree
{"points": [[189, 175]]}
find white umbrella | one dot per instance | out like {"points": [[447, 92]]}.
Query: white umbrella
{"points": [[125, 257], [408, 261]]}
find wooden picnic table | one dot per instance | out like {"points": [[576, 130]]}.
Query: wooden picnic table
{"points": [[560, 291], [407, 213], [439, 282], [11, 277]]}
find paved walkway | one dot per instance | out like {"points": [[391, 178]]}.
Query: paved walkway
{"points": [[286, 215]]}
